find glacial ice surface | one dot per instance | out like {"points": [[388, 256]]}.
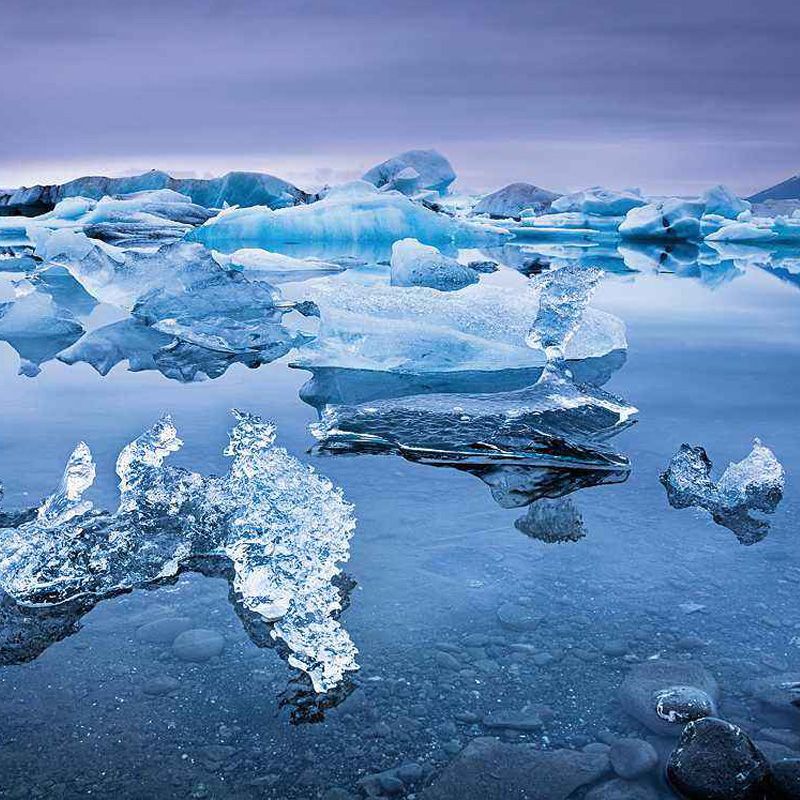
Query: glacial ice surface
{"points": [[754, 484], [353, 212], [283, 529], [416, 264]]}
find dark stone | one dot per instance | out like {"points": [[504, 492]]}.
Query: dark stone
{"points": [[786, 779], [622, 790], [715, 760], [515, 617], [664, 695], [632, 758], [488, 769]]}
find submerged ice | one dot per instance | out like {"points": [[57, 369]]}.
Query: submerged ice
{"points": [[754, 484], [282, 529]]}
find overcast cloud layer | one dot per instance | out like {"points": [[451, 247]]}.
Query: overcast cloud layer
{"points": [[562, 93]]}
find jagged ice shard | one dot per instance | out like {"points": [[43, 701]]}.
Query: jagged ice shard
{"points": [[282, 528], [754, 484]]}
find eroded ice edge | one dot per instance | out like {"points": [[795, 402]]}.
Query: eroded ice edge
{"points": [[283, 528], [754, 484]]}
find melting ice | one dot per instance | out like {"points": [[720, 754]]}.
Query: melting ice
{"points": [[281, 527]]}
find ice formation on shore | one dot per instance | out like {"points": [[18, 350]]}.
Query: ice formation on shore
{"points": [[754, 484], [283, 529]]}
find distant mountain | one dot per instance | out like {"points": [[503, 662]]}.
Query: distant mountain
{"points": [[788, 190]]}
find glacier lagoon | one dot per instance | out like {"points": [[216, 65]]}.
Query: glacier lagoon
{"points": [[517, 583]]}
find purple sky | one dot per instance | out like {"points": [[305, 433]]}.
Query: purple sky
{"points": [[563, 93]]}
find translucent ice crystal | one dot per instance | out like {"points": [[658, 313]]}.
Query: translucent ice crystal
{"points": [[282, 528], [754, 484]]}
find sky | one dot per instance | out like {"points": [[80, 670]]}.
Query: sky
{"points": [[671, 97]]}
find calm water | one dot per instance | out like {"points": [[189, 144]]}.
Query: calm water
{"points": [[713, 359]]}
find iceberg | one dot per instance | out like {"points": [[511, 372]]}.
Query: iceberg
{"points": [[673, 218], [413, 171], [353, 212], [599, 201], [275, 267], [37, 328], [758, 230], [546, 439], [418, 330], [512, 200], [139, 219], [754, 484], [234, 188], [278, 528], [416, 264], [722, 201], [572, 224]]}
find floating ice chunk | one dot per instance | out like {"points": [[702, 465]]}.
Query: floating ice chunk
{"points": [[599, 201], [673, 218], [415, 264], [721, 200], [353, 212], [255, 262], [283, 529], [139, 218], [753, 484], [512, 200], [412, 171], [421, 330], [743, 232], [756, 482], [573, 224]]}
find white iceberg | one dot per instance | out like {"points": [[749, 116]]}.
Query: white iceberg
{"points": [[512, 200], [416, 264], [413, 171], [353, 212], [673, 218], [599, 201]]}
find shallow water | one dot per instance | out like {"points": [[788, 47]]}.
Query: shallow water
{"points": [[713, 359]]}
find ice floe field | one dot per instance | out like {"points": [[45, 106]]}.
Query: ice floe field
{"points": [[506, 506]]}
